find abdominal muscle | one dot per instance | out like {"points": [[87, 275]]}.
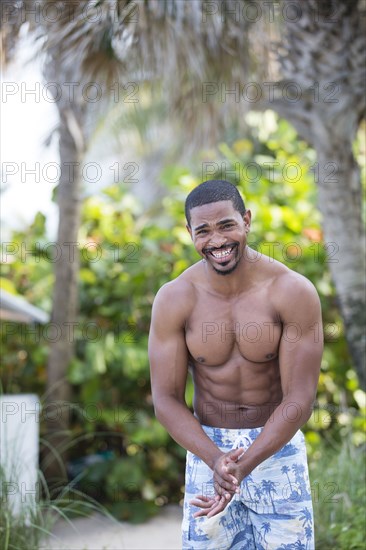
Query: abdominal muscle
{"points": [[236, 395]]}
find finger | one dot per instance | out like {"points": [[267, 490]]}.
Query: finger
{"points": [[228, 484], [228, 460], [201, 503], [216, 505], [222, 488], [216, 508], [206, 511], [235, 453], [226, 495], [201, 513], [232, 473], [203, 497], [226, 475], [221, 505], [233, 479]]}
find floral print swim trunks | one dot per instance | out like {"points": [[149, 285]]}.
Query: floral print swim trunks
{"points": [[273, 510]]}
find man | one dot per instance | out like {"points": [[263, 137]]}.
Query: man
{"points": [[244, 324]]}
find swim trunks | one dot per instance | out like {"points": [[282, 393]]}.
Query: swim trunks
{"points": [[273, 510]]}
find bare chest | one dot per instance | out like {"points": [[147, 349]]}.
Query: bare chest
{"points": [[218, 330]]}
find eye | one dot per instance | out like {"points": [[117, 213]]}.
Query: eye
{"points": [[201, 232], [228, 225]]}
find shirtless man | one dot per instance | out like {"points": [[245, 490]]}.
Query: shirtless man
{"points": [[244, 325]]}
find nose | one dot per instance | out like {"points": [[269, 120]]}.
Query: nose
{"points": [[217, 240]]}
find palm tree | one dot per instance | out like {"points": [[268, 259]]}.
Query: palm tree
{"points": [[269, 488], [196, 462], [248, 479], [285, 470], [308, 534], [322, 54], [223, 522], [266, 528], [299, 471], [257, 493], [233, 519], [306, 517]]}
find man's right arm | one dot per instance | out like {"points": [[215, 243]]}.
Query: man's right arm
{"points": [[168, 356]]}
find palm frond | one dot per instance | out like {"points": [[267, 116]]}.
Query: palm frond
{"points": [[329, 41], [188, 47]]}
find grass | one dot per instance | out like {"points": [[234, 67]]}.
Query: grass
{"points": [[29, 525], [29, 528], [338, 484], [24, 527]]}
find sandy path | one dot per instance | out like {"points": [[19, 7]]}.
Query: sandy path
{"points": [[100, 533]]}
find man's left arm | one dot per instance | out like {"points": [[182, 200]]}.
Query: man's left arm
{"points": [[300, 353]]}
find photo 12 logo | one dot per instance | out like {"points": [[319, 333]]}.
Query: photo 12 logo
{"points": [[268, 92], [68, 11], [270, 11]]}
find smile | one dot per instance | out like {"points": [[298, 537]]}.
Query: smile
{"points": [[221, 253]]}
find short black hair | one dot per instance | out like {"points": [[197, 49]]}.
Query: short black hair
{"points": [[213, 191]]}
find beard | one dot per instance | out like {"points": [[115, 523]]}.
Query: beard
{"points": [[228, 271]]}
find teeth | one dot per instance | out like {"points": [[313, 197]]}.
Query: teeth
{"points": [[222, 254]]}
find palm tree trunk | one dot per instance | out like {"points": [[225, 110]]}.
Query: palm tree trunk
{"points": [[323, 52], [289, 481], [65, 293], [340, 202]]}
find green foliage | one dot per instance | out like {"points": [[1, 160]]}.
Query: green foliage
{"points": [[126, 256], [22, 530], [339, 496], [26, 271]]}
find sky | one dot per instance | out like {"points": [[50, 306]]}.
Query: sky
{"points": [[29, 168], [26, 122]]}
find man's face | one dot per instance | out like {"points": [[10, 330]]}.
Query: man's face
{"points": [[219, 234]]}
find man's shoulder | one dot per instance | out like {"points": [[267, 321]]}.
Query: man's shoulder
{"points": [[292, 282], [282, 276], [178, 294], [289, 287], [179, 288]]}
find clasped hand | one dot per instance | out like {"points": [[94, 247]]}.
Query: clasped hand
{"points": [[227, 478]]}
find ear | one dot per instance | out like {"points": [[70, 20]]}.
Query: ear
{"points": [[247, 218], [189, 229]]}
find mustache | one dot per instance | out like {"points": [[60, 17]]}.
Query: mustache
{"points": [[214, 248]]}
